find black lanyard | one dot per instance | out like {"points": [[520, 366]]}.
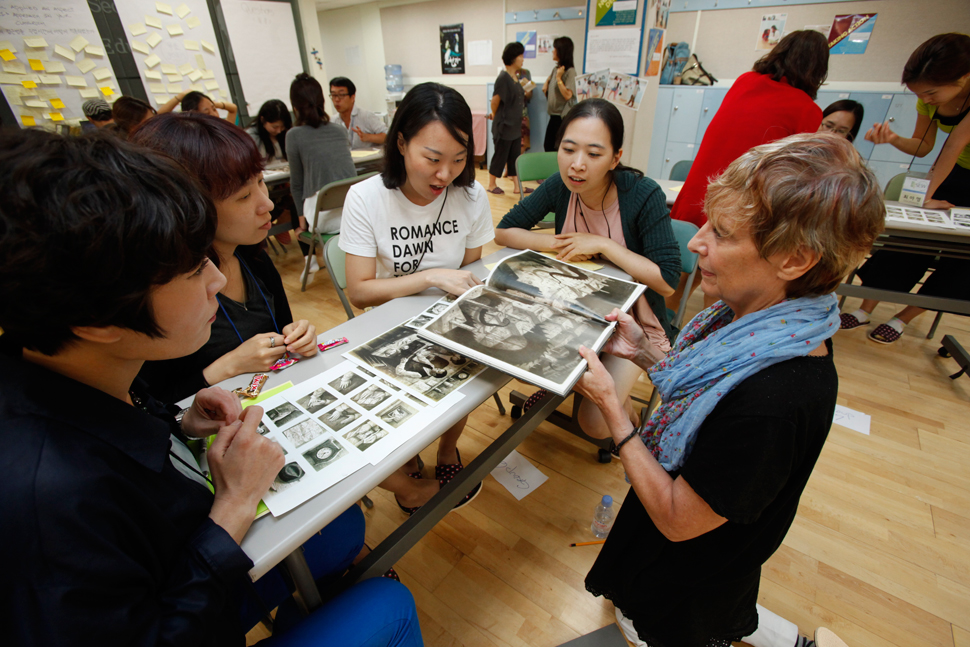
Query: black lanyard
{"points": [[265, 300], [433, 227]]}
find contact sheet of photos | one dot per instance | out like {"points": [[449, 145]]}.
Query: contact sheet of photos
{"points": [[335, 423]]}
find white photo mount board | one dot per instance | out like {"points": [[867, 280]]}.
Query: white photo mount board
{"points": [[173, 48], [266, 49], [58, 25]]}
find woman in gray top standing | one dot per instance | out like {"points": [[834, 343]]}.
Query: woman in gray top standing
{"points": [[318, 153], [560, 89], [508, 102]]}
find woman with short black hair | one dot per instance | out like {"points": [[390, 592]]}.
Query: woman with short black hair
{"points": [[253, 326], [508, 102], [412, 228], [843, 118]]}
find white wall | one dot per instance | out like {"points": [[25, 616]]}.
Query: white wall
{"points": [[353, 46]]}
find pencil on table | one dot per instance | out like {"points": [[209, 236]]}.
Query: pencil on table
{"points": [[588, 543]]}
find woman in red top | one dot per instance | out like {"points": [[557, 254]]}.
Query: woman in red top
{"points": [[776, 99]]}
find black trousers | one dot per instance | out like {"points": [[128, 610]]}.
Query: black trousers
{"points": [[552, 129], [506, 152]]}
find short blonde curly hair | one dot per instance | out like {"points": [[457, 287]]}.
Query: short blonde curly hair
{"points": [[809, 190]]}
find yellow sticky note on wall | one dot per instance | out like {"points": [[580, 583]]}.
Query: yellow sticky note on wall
{"points": [[36, 64], [57, 103], [106, 91], [56, 116], [28, 120], [28, 84], [7, 55]]}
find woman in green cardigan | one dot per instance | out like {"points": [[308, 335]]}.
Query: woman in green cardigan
{"points": [[609, 211]]}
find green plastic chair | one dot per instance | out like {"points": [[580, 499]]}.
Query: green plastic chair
{"points": [[537, 166], [680, 170], [895, 186], [331, 196], [336, 259]]}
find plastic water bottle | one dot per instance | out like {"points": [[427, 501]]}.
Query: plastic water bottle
{"points": [[603, 517]]}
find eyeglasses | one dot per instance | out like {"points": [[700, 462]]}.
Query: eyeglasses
{"points": [[833, 128], [339, 96]]}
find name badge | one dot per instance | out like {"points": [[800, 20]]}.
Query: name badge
{"points": [[914, 191]]}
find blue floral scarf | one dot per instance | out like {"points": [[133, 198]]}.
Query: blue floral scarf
{"points": [[713, 354]]}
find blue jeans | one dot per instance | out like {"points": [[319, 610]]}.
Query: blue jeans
{"points": [[373, 612]]}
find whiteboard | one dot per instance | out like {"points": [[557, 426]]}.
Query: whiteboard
{"points": [[264, 43], [71, 53], [175, 47]]}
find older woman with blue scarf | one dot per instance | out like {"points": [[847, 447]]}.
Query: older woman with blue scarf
{"points": [[748, 393]]}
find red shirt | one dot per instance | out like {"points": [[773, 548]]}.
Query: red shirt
{"points": [[755, 111]]}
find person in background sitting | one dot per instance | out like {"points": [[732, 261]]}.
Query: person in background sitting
{"points": [[253, 326], [843, 118], [365, 130], [105, 507], [129, 113], [98, 112], [319, 153], [938, 73], [195, 101], [269, 129]]}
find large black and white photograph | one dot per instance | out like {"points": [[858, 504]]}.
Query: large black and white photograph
{"points": [[416, 363], [527, 339], [324, 454], [365, 435], [532, 275], [339, 417], [397, 413], [303, 432], [289, 476], [370, 397], [317, 399], [283, 414], [347, 382]]}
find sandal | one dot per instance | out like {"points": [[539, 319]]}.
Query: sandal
{"points": [[526, 190], [465, 501], [533, 399], [497, 191], [391, 574], [417, 475], [445, 473], [884, 334], [850, 321]]}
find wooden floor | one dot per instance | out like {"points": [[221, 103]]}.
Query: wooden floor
{"points": [[879, 552]]}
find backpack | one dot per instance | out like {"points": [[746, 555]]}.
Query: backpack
{"points": [[674, 60], [695, 74]]}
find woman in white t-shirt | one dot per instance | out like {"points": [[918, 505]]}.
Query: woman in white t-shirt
{"points": [[413, 228]]}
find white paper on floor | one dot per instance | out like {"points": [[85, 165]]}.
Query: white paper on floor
{"points": [[854, 420], [518, 475]]}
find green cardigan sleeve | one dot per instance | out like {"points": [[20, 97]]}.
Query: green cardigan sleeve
{"points": [[552, 195]]}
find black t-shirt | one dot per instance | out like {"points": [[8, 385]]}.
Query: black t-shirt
{"points": [[174, 379], [752, 458], [507, 121]]}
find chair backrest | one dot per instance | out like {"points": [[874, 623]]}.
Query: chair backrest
{"points": [[535, 166], [680, 170], [895, 186], [683, 232], [335, 259], [332, 195]]}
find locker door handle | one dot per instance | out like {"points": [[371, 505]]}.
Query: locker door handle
{"points": [[892, 119], [676, 108], [706, 109]]}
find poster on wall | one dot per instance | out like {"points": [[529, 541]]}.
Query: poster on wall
{"points": [[624, 90], [545, 43], [662, 14], [771, 30], [616, 49], [655, 51], [822, 29], [592, 86], [850, 33], [452, 49], [616, 12], [528, 40], [53, 61]]}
